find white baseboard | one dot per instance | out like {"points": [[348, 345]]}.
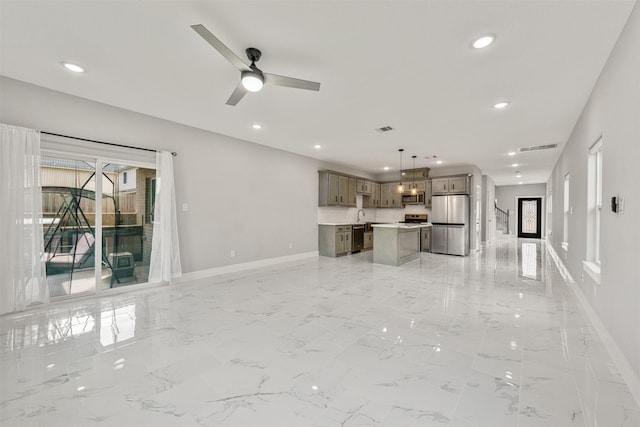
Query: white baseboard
{"points": [[619, 359], [234, 268]]}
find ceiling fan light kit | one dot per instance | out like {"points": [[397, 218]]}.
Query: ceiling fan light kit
{"points": [[251, 77], [252, 80]]}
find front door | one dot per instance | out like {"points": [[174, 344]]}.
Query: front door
{"points": [[530, 217]]}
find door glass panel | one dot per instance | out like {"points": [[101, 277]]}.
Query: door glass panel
{"points": [[127, 224], [530, 216], [69, 211]]}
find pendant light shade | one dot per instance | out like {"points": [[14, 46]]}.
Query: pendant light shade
{"points": [[400, 189], [414, 190]]}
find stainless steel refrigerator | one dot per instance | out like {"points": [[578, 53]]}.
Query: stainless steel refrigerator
{"points": [[450, 219]]}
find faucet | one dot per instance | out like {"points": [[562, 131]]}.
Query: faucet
{"points": [[358, 214]]}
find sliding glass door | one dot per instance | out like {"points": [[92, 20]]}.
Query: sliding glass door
{"points": [[97, 232], [127, 228], [69, 214]]}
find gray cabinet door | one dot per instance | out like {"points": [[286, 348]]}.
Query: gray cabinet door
{"points": [[458, 185], [334, 190], [343, 191], [427, 194], [440, 185], [385, 195], [353, 186]]}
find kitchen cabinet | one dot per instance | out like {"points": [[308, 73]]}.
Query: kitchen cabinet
{"points": [[372, 200], [334, 240], [421, 186], [450, 185], [427, 194], [353, 185], [390, 197], [334, 190], [364, 187], [425, 239], [368, 240]]}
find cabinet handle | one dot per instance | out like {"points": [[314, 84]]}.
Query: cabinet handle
{"points": [[453, 186], [341, 199], [336, 198]]}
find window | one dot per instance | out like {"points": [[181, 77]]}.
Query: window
{"points": [[595, 205], [594, 211], [566, 213]]}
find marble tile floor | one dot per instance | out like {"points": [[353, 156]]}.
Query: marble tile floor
{"points": [[496, 339]]}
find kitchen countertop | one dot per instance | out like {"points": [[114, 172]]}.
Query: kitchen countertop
{"points": [[402, 225]]}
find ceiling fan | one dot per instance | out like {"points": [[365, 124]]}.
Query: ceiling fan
{"points": [[251, 77]]}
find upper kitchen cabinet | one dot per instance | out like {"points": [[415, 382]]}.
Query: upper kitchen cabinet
{"points": [[416, 174], [353, 185], [421, 186], [372, 200], [364, 187], [334, 189], [390, 197], [458, 184]]}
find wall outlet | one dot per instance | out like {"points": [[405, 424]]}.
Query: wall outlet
{"points": [[185, 207], [233, 253]]}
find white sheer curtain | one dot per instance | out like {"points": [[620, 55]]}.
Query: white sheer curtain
{"points": [[165, 250], [22, 273]]}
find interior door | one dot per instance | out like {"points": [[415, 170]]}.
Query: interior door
{"points": [[530, 217]]}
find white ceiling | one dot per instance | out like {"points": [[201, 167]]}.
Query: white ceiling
{"points": [[407, 64]]}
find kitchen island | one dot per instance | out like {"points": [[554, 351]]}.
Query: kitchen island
{"points": [[396, 243]]}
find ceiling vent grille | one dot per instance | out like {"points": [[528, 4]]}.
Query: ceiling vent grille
{"points": [[537, 147], [384, 129]]}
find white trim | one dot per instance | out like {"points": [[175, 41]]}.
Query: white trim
{"points": [[234, 268], [631, 378], [592, 269]]}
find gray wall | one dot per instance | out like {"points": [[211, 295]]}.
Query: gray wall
{"points": [[488, 210], [613, 111], [507, 196], [242, 196]]}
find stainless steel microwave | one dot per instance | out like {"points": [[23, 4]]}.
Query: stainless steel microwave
{"points": [[413, 199]]}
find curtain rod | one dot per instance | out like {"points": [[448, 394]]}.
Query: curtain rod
{"points": [[173, 153]]}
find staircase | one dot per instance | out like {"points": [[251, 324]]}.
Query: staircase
{"points": [[502, 220]]}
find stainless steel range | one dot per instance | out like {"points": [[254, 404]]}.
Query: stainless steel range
{"points": [[425, 232]]}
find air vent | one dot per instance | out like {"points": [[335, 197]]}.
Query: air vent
{"points": [[384, 129], [537, 147]]}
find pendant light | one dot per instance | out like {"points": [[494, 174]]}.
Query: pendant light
{"points": [[400, 189], [414, 190]]}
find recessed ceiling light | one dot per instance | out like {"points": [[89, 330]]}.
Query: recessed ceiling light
{"points": [[519, 176], [317, 146], [500, 105], [73, 67], [439, 162], [256, 126], [520, 182], [386, 168], [511, 153], [484, 41], [515, 165]]}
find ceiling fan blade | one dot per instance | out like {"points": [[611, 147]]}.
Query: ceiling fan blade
{"points": [[274, 79], [220, 47], [237, 94]]}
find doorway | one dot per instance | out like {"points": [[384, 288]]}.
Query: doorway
{"points": [[530, 217]]}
